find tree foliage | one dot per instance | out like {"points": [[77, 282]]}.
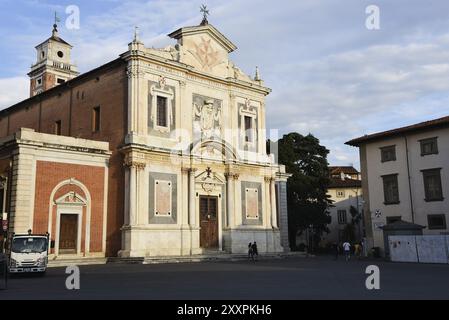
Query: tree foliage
{"points": [[349, 233], [355, 215], [308, 201]]}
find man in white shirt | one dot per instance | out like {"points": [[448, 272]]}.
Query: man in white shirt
{"points": [[347, 250]]}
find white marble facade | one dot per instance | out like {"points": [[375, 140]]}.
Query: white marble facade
{"points": [[189, 106]]}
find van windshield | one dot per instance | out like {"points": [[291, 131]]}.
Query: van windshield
{"points": [[29, 245]]}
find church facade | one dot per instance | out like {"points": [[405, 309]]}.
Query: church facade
{"points": [[160, 152]]}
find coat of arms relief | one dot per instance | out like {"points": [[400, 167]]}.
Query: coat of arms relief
{"points": [[205, 54]]}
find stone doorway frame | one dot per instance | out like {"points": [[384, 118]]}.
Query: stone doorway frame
{"points": [[210, 185]]}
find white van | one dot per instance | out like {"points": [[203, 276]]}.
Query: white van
{"points": [[28, 253]]}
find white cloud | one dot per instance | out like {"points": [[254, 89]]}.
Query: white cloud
{"points": [[13, 90], [329, 75], [345, 95]]}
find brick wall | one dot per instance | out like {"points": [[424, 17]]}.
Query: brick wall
{"points": [[72, 104], [48, 176]]}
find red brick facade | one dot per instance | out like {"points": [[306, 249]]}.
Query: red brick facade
{"points": [[72, 104], [48, 176]]}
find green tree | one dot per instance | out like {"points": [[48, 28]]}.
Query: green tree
{"points": [[308, 202], [355, 215], [349, 233]]}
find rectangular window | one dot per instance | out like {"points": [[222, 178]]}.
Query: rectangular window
{"points": [[58, 128], [432, 185], [391, 189], [388, 153], [60, 81], [248, 129], [96, 119], [340, 194], [342, 217], [162, 112], [436, 221], [429, 146], [393, 219]]}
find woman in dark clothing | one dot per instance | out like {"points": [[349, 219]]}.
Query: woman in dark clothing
{"points": [[250, 251], [254, 247]]}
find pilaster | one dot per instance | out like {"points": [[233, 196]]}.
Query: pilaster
{"points": [[135, 170], [192, 199], [136, 95], [274, 219]]}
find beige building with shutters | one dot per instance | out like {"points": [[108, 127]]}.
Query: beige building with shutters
{"points": [[405, 176], [345, 192]]}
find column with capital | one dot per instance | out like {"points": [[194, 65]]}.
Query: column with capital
{"points": [[274, 220], [232, 135], [184, 212], [262, 134], [137, 98], [237, 214], [192, 198], [135, 170], [267, 220], [185, 196], [132, 195], [230, 195], [182, 116]]}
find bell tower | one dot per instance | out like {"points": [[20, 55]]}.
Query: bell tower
{"points": [[53, 65]]}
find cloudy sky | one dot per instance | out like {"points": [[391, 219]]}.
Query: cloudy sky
{"points": [[330, 75]]}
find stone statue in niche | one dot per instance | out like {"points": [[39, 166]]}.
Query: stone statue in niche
{"points": [[162, 82], [207, 119]]}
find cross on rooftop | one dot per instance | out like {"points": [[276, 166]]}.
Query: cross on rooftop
{"points": [[205, 12]]}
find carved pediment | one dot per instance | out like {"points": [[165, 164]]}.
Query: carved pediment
{"points": [[209, 180], [71, 198], [204, 48]]}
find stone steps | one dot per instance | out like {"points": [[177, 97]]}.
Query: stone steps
{"points": [[61, 262], [216, 256], [136, 260]]}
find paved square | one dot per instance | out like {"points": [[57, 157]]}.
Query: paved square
{"points": [[295, 278]]}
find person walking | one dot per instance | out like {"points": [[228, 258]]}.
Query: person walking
{"points": [[250, 251], [255, 251], [347, 250], [358, 250]]}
